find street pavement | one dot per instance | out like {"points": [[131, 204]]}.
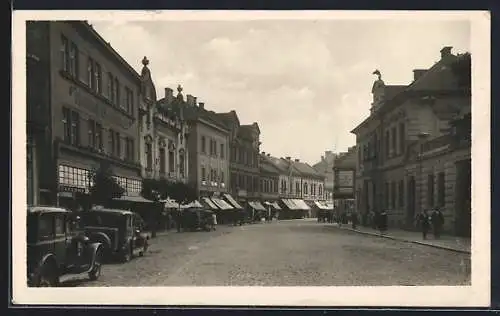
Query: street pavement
{"points": [[287, 253]]}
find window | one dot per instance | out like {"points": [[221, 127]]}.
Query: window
{"points": [[112, 141], [393, 195], [98, 136], [59, 225], [387, 143], [129, 100], [98, 78], [402, 138], [222, 151], [215, 148], [73, 60], [203, 174], [118, 141], [262, 185], [305, 188], [441, 189], [46, 227], [149, 156], [129, 149], [162, 160], [401, 193], [111, 88], [203, 144], [312, 189], [297, 187], [73, 177], [116, 92], [222, 177], [181, 165], [91, 133], [71, 124], [64, 53], [171, 161], [393, 144], [430, 190], [270, 186], [320, 188], [90, 73], [283, 186]]}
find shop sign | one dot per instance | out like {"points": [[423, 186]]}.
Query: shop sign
{"points": [[64, 188], [345, 178]]}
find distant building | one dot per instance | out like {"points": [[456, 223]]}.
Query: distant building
{"points": [[344, 170], [413, 150], [208, 147], [269, 179], [244, 144], [82, 109], [325, 167]]}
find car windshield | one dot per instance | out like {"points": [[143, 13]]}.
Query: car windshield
{"points": [[101, 219]]}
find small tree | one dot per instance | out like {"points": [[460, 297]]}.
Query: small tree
{"points": [[181, 192], [104, 187]]}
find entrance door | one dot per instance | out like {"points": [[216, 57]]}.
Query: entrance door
{"points": [[463, 198], [410, 203]]}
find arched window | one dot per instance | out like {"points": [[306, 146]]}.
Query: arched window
{"points": [[305, 188], [320, 189]]}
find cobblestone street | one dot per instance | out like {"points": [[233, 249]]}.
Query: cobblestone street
{"points": [[288, 253]]}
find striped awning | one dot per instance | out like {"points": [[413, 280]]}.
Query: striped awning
{"points": [[223, 205], [322, 206], [256, 205], [301, 205], [211, 204], [275, 205], [232, 201]]}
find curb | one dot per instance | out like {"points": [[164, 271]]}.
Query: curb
{"points": [[406, 240]]}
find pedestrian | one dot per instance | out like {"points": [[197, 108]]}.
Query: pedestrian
{"points": [[437, 220], [214, 222], [178, 220], [354, 220], [383, 222], [424, 221]]}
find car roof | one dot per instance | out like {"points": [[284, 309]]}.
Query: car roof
{"points": [[46, 209], [110, 210]]}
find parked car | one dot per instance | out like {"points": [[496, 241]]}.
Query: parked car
{"points": [[55, 249], [120, 232]]}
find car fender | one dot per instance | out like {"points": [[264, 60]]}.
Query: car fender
{"points": [[101, 238], [50, 259], [95, 248]]}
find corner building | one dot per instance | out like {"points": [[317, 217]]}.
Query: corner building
{"points": [[91, 112]]}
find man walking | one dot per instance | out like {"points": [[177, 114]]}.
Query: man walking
{"points": [[424, 221]]}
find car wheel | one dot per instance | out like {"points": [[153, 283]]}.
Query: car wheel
{"points": [[127, 254], [47, 277], [96, 271]]}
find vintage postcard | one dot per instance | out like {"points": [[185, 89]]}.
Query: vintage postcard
{"points": [[251, 158]]}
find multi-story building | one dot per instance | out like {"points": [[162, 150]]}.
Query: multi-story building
{"points": [[269, 179], [208, 148], [344, 169], [164, 132], [325, 167], [88, 102], [401, 118], [244, 147]]}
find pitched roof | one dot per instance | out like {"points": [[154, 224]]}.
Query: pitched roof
{"points": [[305, 169], [268, 167]]}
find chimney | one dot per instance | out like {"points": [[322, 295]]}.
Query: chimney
{"points": [[297, 160], [169, 95], [264, 153], [417, 73], [201, 105], [190, 100], [446, 51], [268, 155], [288, 158]]}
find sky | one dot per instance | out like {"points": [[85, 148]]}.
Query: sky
{"points": [[307, 83]]}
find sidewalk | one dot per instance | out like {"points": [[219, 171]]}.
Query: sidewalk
{"points": [[452, 243]]}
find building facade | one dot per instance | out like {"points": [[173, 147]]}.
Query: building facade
{"points": [[344, 171], [405, 117], [164, 132], [208, 146], [325, 167], [91, 112], [244, 144], [269, 179]]}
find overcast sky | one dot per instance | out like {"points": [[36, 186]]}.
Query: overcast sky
{"points": [[306, 83]]}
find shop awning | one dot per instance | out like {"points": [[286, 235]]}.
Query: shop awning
{"points": [[170, 203], [232, 201], [223, 205], [322, 206], [210, 203], [256, 205], [133, 198], [288, 204], [194, 204], [274, 205], [301, 205]]}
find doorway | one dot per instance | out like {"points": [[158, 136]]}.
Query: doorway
{"points": [[410, 203], [463, 198]]}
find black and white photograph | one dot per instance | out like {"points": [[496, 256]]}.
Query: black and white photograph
{"points": [[238, 158]]}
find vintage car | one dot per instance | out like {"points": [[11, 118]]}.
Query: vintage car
{"points": [[120, 232], [55, 249]]}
